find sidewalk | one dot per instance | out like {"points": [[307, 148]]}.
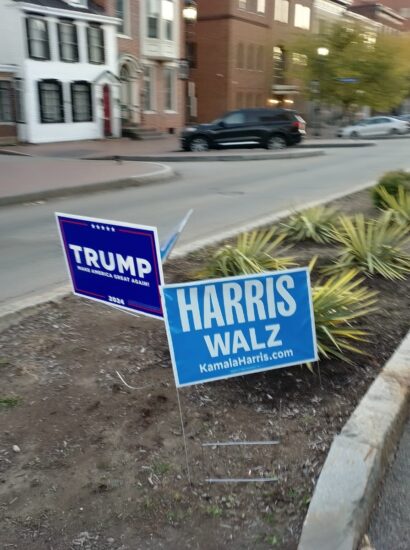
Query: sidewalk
{"points": [[27, 179], [158, 149]]}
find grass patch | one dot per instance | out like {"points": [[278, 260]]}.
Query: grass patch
{"points": [[9, 402]]}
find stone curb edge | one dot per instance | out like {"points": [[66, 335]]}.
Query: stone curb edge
{"points": [[215, 158], [164, 174], [348, 485]]}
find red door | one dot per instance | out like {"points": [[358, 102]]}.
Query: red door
{"points": [[107, 110]]}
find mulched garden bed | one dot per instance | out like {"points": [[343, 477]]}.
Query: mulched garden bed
{"points": [[100, 466]]}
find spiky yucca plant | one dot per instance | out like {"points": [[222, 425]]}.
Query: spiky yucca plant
{"points": [[339, 302], [391, 181], [398, 205], [312, 224], [372, 247], [254, 252]]}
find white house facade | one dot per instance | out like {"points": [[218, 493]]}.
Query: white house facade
{"points": [[66, 73]]}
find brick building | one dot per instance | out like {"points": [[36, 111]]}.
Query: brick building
{"points": [[150, 46], [238, 53], [229, 47], [8, 126]]}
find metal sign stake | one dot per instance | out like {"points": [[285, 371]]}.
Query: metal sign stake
{"points": [[183, 435]]}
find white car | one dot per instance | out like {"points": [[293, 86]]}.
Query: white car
{"points": [[375, 126]]}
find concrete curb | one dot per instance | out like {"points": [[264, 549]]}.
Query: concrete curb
{"points": [[12, 153], [20, 309], [164, 174], [348, 485], [222, 157], [341, 145]]}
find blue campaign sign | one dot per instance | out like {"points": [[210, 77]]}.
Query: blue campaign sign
{"points": [[239, 325], [113, 262]]}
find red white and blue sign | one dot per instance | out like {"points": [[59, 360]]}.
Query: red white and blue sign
{"points": [[115, 263], [234, 326]]}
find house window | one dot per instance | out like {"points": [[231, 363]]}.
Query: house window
{"points": [[240, 56], [249, 99], [260, 6], [6, 103], [37, 38], [153, 18], [51, 101], [96, 44], [242, 4], [239, 100], [120, 14], [169, 77], [67, 36], [281, 11], [148, 89], [250, 61], [81, 102], [168, 17], [259, 60], [278, 65], [302, 16]]}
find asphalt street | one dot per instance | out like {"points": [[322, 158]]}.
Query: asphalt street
{"points": [[390, 523], [223, 196]]}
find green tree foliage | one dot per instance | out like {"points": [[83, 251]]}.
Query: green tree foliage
{"points": [[380, 64]]}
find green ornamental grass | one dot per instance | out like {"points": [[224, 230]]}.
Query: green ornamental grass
{"points": [[312, 224], [254, 252], [340, 304], [398, 205], [374, 247], [391, 182]]}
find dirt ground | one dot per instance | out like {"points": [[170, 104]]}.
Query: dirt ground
{"points": [[87, 463]]}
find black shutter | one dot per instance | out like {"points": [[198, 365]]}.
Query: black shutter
{"points": [[102, 42], [60, 93], [40, 101], [48, 41], [60, 45], [90, 102], [28, 37], [76, 57], [72, 92], [89, 45]]}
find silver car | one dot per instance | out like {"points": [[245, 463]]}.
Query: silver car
{"points": [[375, 126]]}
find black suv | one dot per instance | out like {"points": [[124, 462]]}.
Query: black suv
{"points": [[269, 128]]}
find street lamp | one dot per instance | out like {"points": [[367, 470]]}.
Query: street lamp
{"points": [[322, 52], [190, 10]]}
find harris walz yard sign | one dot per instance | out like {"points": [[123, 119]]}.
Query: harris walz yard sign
{"points": [[234, 326], [113, 262]]}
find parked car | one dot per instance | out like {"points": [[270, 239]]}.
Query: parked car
{"points": [[263, 127], [374, 126]]}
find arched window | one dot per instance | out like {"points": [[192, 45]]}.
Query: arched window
{"points": [[240, 56], [260, 60], [250, 62]]}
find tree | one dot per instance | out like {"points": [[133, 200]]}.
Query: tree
{"points": [[378, 66]]}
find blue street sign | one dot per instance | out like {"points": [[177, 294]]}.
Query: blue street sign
{"points": [[116, 263], [348, 80], [239, 325]]}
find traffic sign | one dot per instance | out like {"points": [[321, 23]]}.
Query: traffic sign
{"points": [[115, 263], [229, 327]]}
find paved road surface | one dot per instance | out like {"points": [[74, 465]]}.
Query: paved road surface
{"points": [[223, 195], [390, 523]]}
